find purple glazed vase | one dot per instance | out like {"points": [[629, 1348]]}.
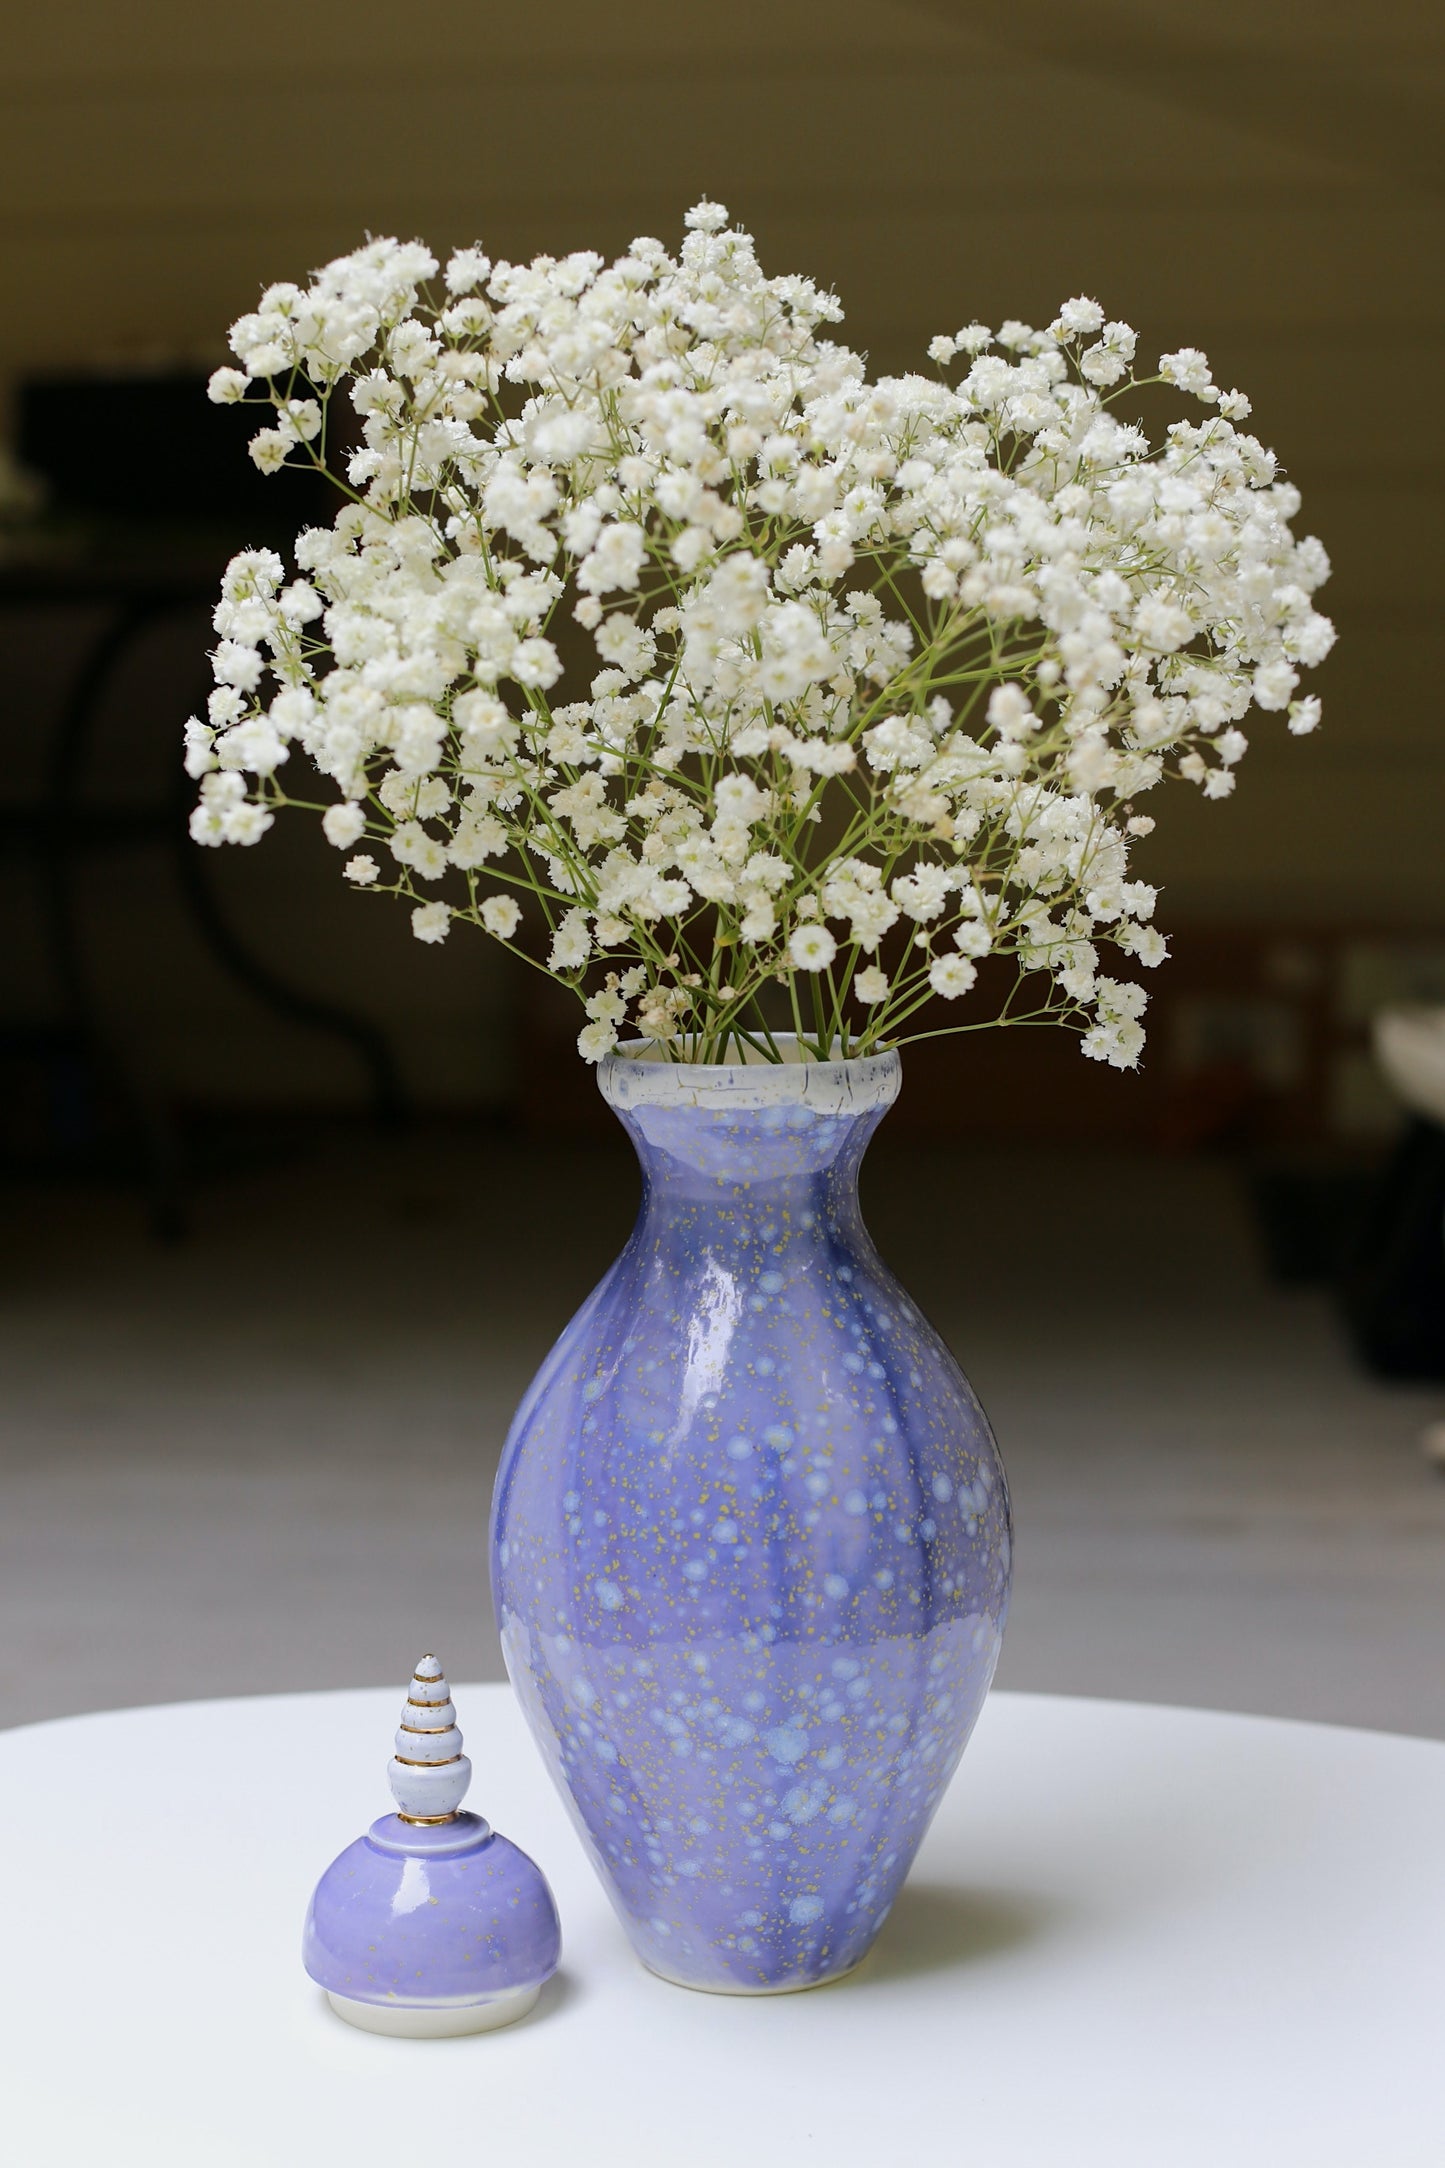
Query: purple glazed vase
{"points": [[751, 1541]]}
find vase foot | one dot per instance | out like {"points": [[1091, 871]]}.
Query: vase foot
{"points": [[792, 1987]]}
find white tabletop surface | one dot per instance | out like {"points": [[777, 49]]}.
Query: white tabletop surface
{"points": [[1152, 1938]]}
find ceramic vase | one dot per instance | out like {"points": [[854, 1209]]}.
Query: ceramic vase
{"points": [[751, 1540]]}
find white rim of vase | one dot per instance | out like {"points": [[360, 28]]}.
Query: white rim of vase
{"points": [[639, 1074]]}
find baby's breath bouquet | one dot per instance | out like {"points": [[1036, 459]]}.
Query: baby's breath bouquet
{"points": [[871, 675]]}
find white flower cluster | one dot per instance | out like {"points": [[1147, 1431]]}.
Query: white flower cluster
{"points": [[878, 670]]}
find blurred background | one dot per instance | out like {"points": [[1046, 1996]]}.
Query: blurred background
{"points": [[292, 1206]]}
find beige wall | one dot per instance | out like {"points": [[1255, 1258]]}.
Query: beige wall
{"points": [[1259, 177]]}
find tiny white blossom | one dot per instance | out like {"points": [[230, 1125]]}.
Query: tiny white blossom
{"points": [[1273, 684], [1009, 711], [1188, 368], [343, 825], [594, 1040], [246, 823], [1080, 317], [615, 560], [922, 894], [238, 665], [466, 269], [972, 938], [226, 386], [871, 986], [951, 976], [812, 948], [431, 922], [200, 741], [300, 419], [413, 846], [225, 705], [1148, 945], [254, 745], [269, 448], [361, 869], [536, 663], [1103, 365], [501, 915], [571, 944]]}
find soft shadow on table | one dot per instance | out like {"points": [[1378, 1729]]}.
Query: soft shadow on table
{"points": [[938, 1927], [561, 1991]]}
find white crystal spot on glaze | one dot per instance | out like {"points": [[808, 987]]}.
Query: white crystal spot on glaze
{"points": [[787, 1744], [804, 1910], [608, 1594]]}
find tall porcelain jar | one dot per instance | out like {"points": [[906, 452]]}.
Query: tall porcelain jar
{"points": [[751, 1540]]}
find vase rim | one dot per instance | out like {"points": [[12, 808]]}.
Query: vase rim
{"points": [[638, 1073]]}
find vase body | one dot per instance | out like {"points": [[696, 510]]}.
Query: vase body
{"points": [[751, 1546]]}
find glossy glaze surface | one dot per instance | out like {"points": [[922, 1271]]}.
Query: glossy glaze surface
{"points": [[751, 1544], [430, 1917]]}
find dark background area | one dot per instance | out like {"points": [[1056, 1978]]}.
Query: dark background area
{"points": [[292, 1204], [1264, 185]]}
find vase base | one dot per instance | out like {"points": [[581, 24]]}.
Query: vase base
{"points": [[792, 1987]]}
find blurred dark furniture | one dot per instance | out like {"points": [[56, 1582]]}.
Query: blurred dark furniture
{"points": [[1393, 1284], [128, 461]]}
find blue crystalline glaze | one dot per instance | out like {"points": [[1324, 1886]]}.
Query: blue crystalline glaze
{"points": [[430, 1916], [751, 1544]]}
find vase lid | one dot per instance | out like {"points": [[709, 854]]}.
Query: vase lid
{"points": [[431, 1924]]}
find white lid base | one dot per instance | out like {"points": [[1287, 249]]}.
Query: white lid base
{"points": [[438, 2020]]}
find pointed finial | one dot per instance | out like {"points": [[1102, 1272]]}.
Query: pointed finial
{"points": [[429, 1773]]}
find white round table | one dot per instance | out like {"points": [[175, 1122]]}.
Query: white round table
{"points": [[1152, 1938]]}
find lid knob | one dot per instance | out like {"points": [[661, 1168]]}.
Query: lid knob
{"points": [[428, 1771]]}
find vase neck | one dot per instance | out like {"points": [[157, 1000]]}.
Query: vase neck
{"points": [[742, 1163], [734, 1134]]}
